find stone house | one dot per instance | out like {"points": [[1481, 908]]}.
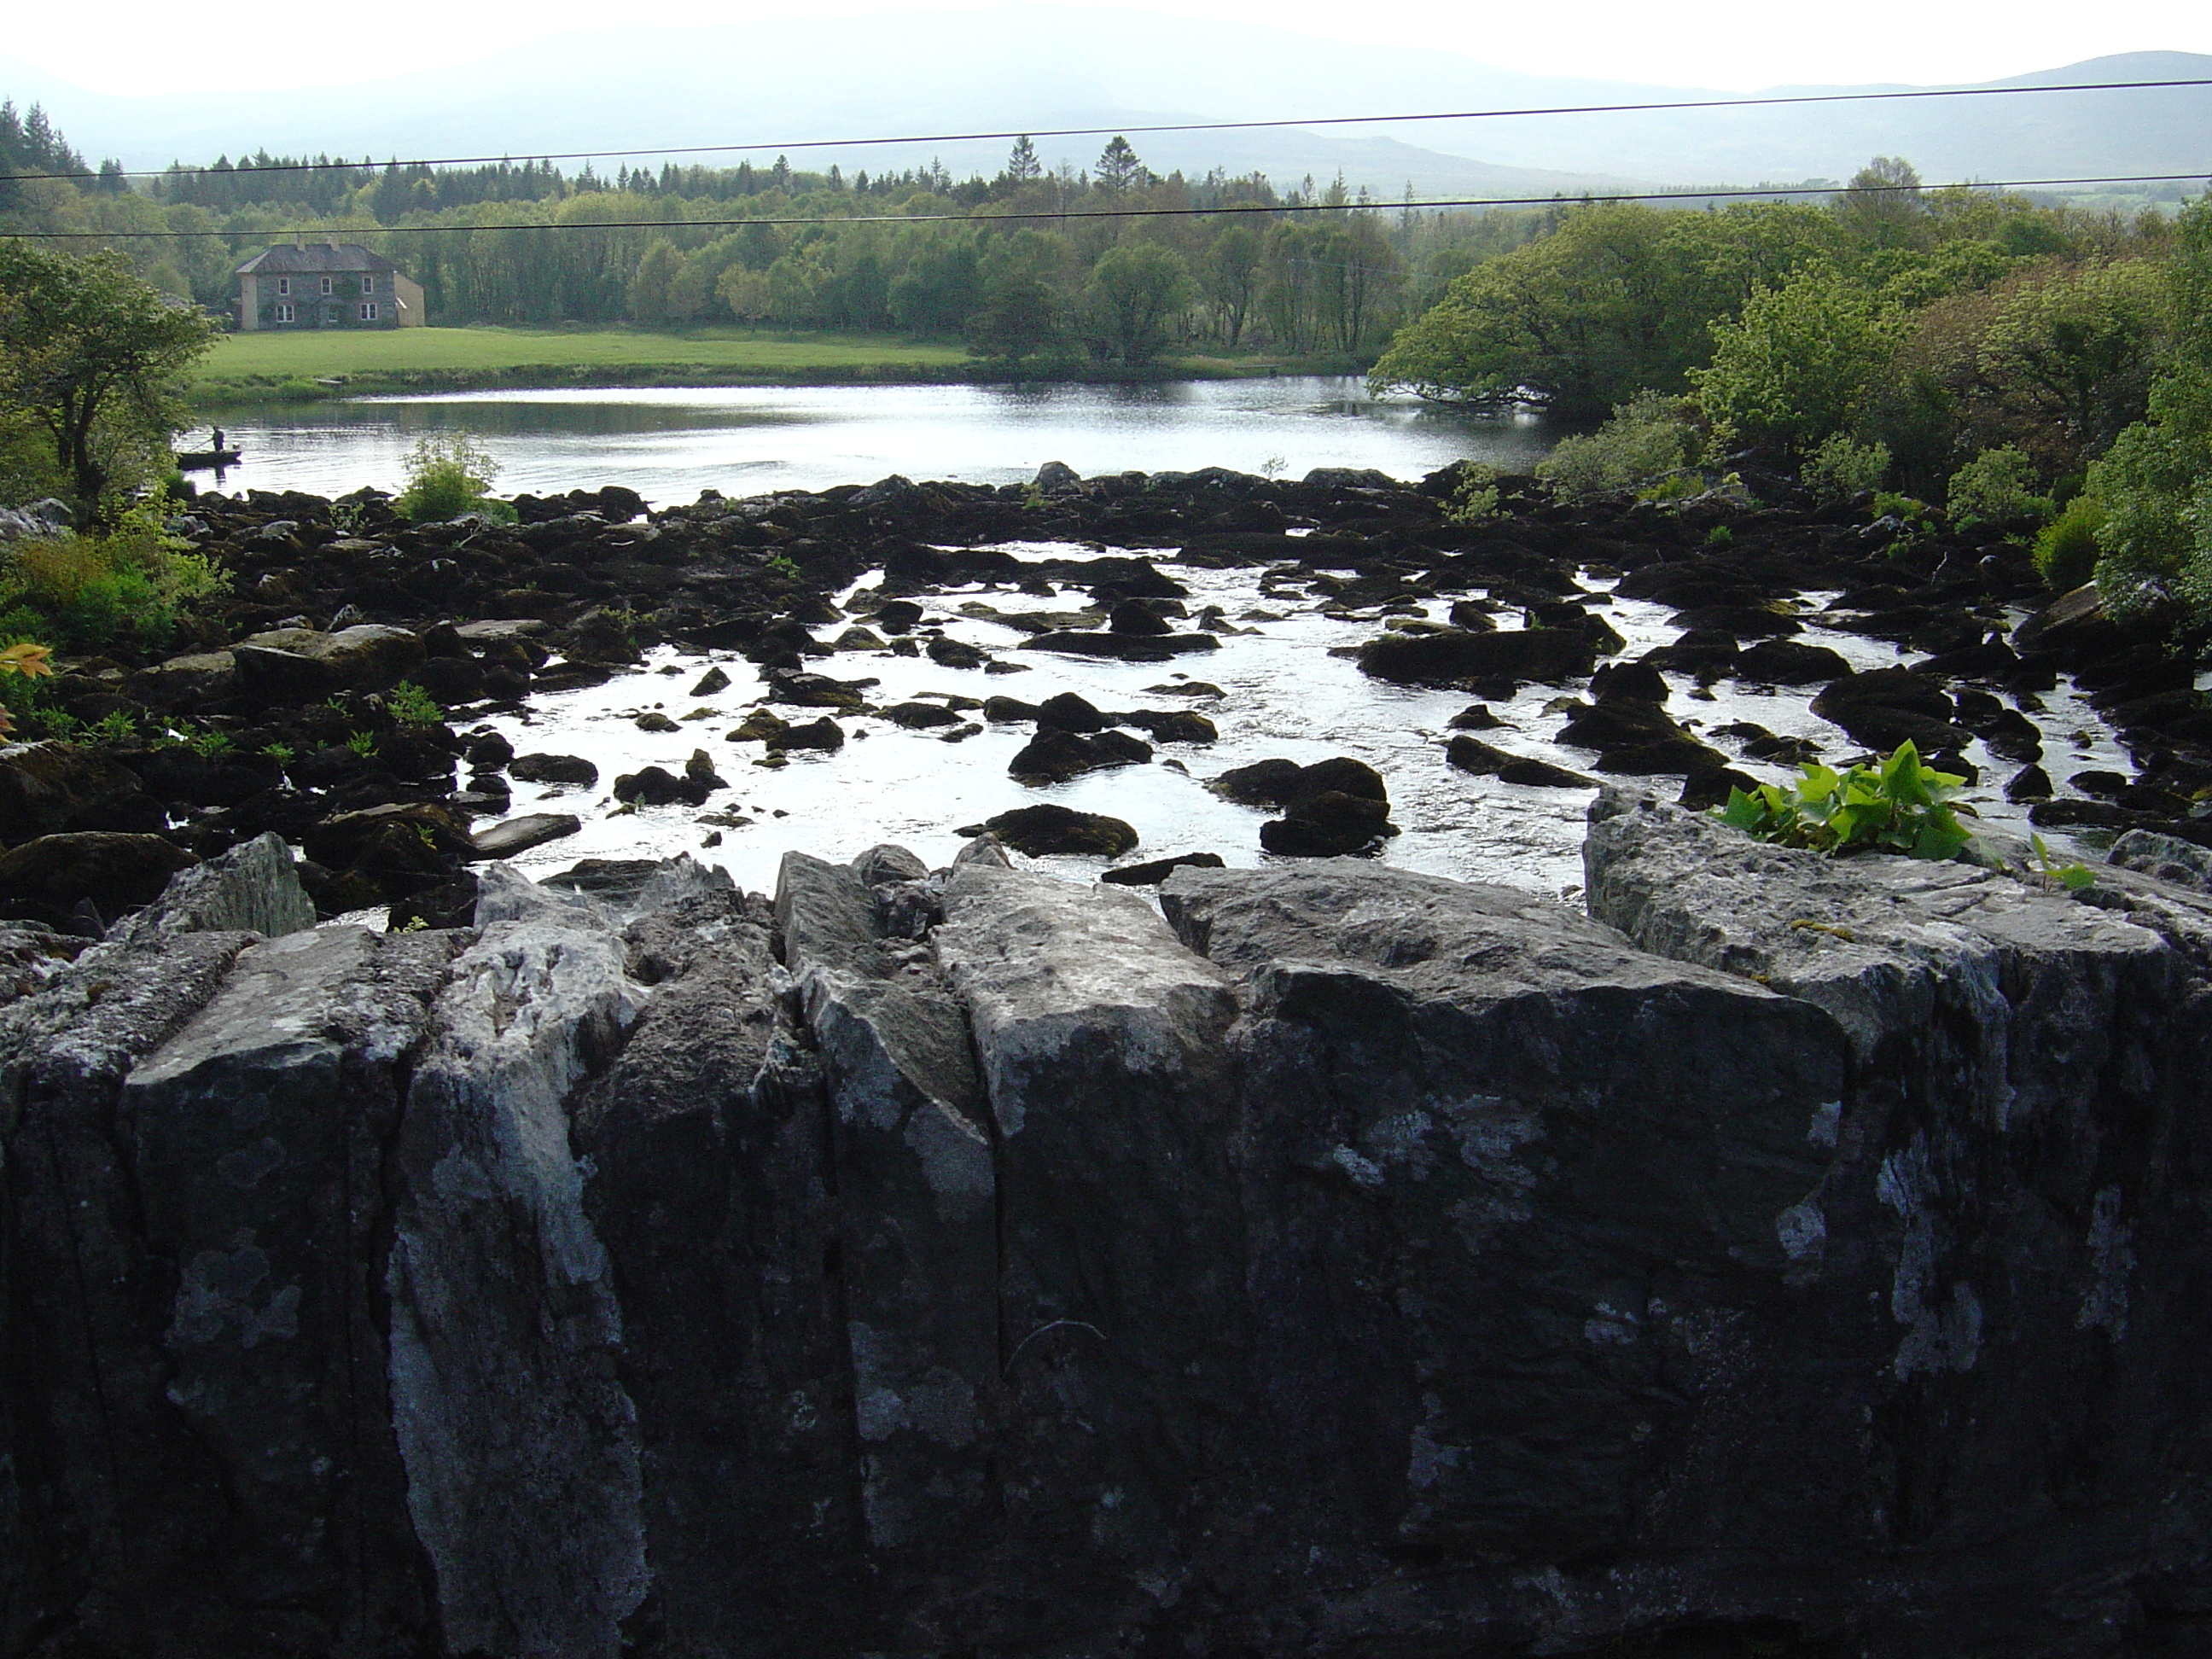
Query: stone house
{"points": [[325, 285]]}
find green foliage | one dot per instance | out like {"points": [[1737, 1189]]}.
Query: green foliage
{"points": [[1134, 293], [282, 753], [1899, 806], [1617, 299], [1646, 440], [1474, 498], [410, 705], [362, 744], [1839, 470], [210, 744], [1792, 369], [1720, 536], [448, 475], [2072, 876], [126, 585], [93, 355], [1998, 486], [2155, 481], [780, 564], [1890, 504], [2066, 549]]}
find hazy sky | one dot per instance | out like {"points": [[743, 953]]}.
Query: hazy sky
{"points": [[138, 46]]}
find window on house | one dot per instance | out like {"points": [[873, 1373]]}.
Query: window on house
{"points": [[368, 285], [283, 284], [283, 313], [326, 285], [369, 311]]}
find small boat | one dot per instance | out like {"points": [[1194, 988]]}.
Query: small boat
{"points": [[206, 460]]}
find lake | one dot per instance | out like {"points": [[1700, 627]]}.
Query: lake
{"points": [[669, 443]]}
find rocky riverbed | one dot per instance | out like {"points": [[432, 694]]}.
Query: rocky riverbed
{"points": [[1137, 665]]}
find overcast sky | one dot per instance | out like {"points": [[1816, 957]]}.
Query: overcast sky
{"points": [[138, 46]]}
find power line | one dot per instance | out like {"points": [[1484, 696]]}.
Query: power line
{"points": [[324, 233], [1171, 126]]}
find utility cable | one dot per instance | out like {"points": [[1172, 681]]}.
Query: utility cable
{"points": [[1775, 101], [326, 233]]}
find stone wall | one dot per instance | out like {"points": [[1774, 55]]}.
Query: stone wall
{"points": [[1802, 1254]]}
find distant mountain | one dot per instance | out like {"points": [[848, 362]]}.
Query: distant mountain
{"points": [[1014, 68]]}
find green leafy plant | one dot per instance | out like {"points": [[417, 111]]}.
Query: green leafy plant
{"points": [[1900, 805], [116, 726], [410, 705], [2072, 876], [1888, 504], [280, 752], [362, 744], [210, 745], [1720, 536], [778, 565], [448, 475]]}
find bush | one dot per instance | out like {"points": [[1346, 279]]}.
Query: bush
{"points": [[448, 476], [1838, 470], [1474, 497], [86, 589], [1646, 440], [2066, 548], [1997, 486]]}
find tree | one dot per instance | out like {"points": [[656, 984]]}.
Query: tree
{"points": [[1021, 319], [1022, 163], [1229, 273], [745, 292], [1884, 206], [2155, 481], [649, 286], [1793, 369], [1133, 290], [93, 355], [1579, 321], [1118, 171]]}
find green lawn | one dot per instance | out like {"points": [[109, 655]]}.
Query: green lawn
{"points": [[321, 353]]}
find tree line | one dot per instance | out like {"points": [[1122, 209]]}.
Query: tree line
{"points": [[1039, 269]]}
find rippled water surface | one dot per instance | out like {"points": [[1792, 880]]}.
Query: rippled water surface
{"points": [[668, 443]]}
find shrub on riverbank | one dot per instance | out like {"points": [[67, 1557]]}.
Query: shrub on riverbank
{"points": [[449, 475], [85, 589]]}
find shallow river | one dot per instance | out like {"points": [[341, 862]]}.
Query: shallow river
{"points": [[668, 443], [1284, 694]]}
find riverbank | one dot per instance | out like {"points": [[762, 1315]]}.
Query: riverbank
{"points": [[325, 364]]}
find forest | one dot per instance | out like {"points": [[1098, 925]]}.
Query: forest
{"points": [[1034, 268]]}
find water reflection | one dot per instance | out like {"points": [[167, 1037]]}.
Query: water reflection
{"points": [[669, 443]]}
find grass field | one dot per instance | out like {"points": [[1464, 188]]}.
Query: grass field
{"points": [[463, 353], [341, 362]]}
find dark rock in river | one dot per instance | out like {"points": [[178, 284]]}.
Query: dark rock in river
{"points": [[1330, 808], [919, 716], [1054, 756], [1789, 662], [1156, 870], [1546, 656], [1067, 713], [47, 789], [1125, 647], [553, 769], [1473, 755], [1048, 828], [520, 835], [45, 879], [1134, 617]]}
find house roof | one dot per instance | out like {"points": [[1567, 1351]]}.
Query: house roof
{"points": [[315, 258]]}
